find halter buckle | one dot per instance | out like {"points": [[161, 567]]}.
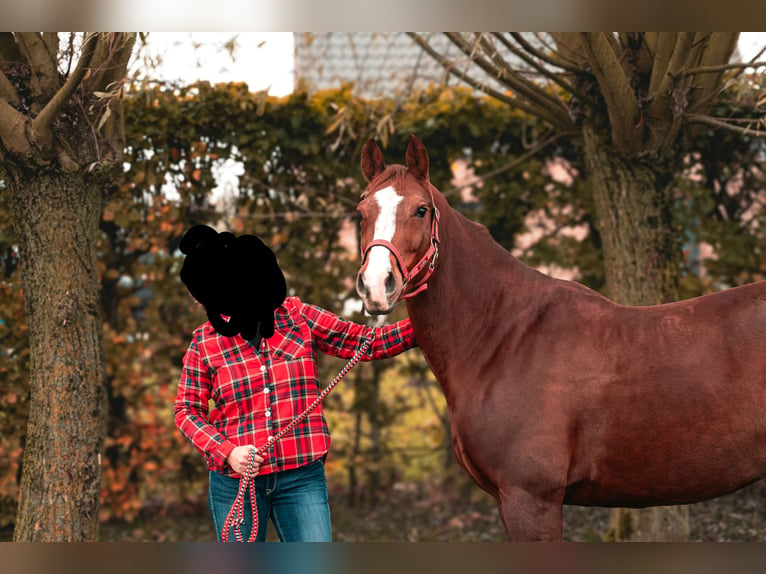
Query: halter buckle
{"points": [[432, 265]]}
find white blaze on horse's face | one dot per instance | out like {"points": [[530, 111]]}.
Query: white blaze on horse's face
{"points": [[379, 270]]}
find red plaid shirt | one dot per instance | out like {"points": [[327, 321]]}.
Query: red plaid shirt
{"points": [[256, 394]]}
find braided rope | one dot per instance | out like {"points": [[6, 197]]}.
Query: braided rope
{"points": [[236, 517]]}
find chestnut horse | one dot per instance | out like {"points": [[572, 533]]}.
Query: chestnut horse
{"points": [[556, 394]]}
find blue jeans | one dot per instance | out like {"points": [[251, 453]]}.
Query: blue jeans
{"points": [[295, 500]]}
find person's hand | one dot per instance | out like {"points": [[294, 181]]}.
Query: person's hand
{"points": [[239, 458]]}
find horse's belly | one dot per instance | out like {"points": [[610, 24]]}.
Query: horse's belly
{"points": [[655, 476], [584, 494]]}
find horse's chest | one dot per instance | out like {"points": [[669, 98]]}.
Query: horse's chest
{"points": [[466, 461], [481, 438]]}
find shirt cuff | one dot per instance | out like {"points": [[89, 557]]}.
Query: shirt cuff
{"points": [[221, 452]]}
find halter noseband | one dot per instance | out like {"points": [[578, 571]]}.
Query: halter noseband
{"points": [[429, 257]]}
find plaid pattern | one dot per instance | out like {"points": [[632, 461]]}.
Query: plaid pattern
{"points": [[232, 395]]}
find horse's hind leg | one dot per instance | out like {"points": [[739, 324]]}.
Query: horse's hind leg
{"points": [[528, 517]]}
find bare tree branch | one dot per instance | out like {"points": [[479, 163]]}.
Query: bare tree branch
{"points": [[526, 89], [554, 77], [688, 52], [124, 49], [664, 45], [543, 56], [650, 40], [641, 61], [758, 55], [621, 102], [7, 91], [510, 100], [45, 118], [754, 61], [700, 45], [717, 51], [109, 78], [661, 104], [110, 61], [499, 68], [51, 41], [616, 45], [9, 51], [723, 68], [622, 40], [719, 123], [12, 133], [45, 80], [569, 46]]}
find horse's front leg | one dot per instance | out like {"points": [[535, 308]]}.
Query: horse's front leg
{"points": [[527, 517]]}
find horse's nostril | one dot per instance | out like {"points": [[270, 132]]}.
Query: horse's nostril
{"points": [[390, 283], [361, 288]]}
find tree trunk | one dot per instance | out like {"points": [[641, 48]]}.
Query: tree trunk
{"points": [[56, 215], [654, 524], [633, 202], [634, 207]]}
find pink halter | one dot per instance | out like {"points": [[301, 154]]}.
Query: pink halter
{"points": [[429, 258]]}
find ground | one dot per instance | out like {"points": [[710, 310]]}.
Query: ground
{"points": [[410, 515]]}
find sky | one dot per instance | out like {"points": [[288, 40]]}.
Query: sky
{"points": [[750, 43], [264, 60]]}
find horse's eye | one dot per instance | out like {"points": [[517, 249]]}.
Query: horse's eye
{"points": [[421, 211], [358, 217]]}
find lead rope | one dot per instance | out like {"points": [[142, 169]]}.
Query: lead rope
{"points": [[236, 517]]}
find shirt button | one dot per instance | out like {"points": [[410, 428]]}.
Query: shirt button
{"points": [[268, 412], [269, 438], [263, 368], [266, 389]]}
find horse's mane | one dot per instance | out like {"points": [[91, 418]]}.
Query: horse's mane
{"points": [[482, 229], [473, 225], [480, 232]]}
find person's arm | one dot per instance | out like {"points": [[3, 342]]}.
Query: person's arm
{"points": [[191, 410], [341, 338]]}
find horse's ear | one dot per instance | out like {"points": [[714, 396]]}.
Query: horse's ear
{"points": [[372, 160], [417, 158]]}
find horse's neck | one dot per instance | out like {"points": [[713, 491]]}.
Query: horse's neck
{"points": [[467, 293], [473, 268]]}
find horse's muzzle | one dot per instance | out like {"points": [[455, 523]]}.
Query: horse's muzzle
{"points": [[379, 301]]}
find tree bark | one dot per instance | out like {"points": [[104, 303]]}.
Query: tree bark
{"points": [[61, 144], [633, 202], [56, 217], [654, 524], [633, 199]]}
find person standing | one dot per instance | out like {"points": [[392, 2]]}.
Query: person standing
{"points": [[250, 370]]}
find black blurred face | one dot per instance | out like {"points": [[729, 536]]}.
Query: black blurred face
{"points": [[234, 276]]}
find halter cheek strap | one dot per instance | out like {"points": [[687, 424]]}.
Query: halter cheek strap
{"points": [[429, 259]]}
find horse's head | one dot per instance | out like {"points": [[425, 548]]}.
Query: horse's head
{"points": [[399, 235]]}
